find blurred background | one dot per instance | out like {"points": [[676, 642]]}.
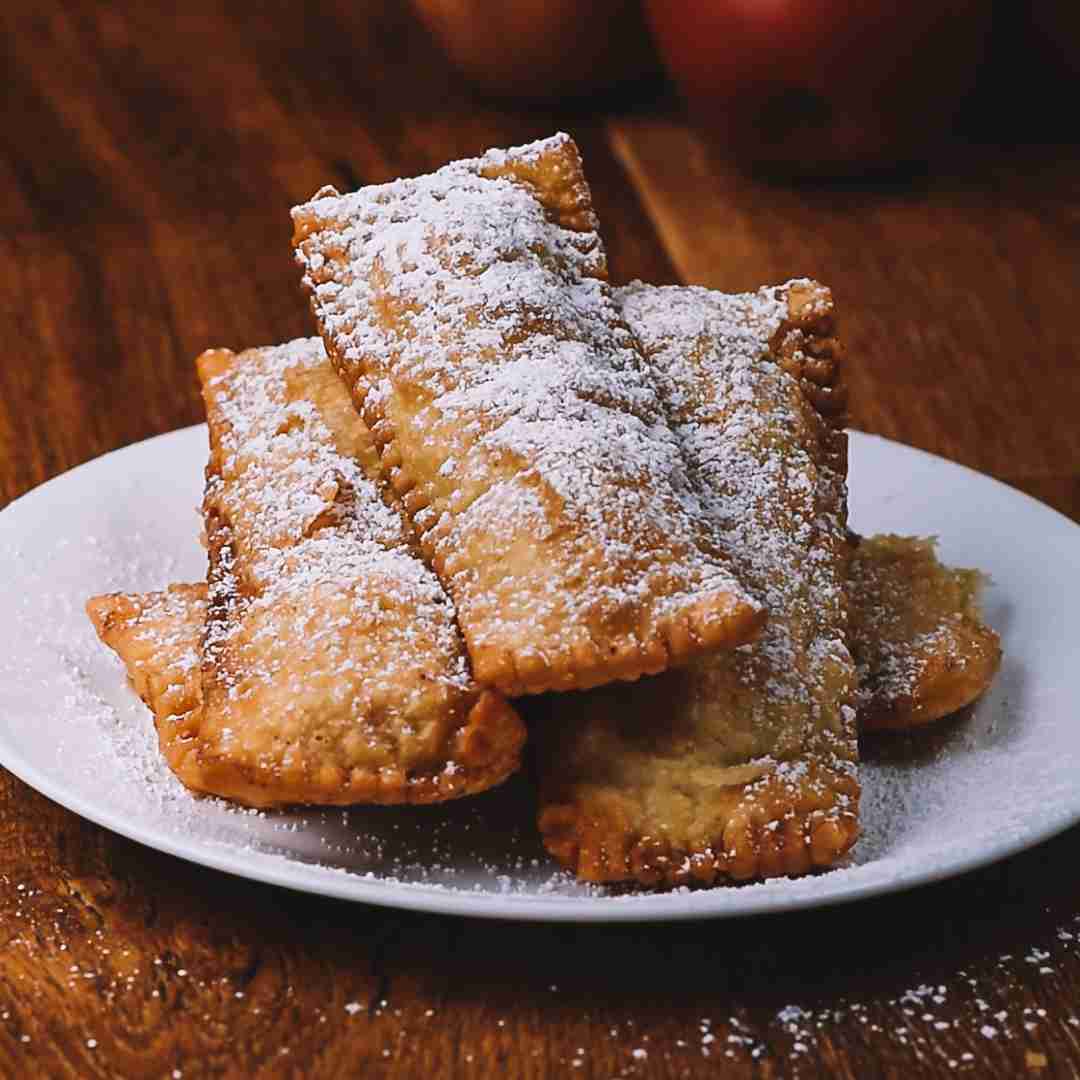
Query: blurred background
{"points": [[919, 158], [794, 87]]}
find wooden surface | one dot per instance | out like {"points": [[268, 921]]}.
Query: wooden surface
{"points": [[148, 161]]}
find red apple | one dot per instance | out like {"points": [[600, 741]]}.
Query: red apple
{"points": [[542, 49], [816, 86]]}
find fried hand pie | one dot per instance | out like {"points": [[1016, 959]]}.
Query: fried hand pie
{"points": [[743, 764], [470, 316], [919, 641], [333, 671]]}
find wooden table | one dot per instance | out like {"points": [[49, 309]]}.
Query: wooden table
{"points": [[148, 163]]}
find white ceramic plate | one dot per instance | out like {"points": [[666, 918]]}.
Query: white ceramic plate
{"points": [[995, 781]]}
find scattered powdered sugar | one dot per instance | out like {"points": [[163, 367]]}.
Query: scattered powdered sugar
{"points": [[70, 717], [931, 1021], [963, 995], [68, 712], [130, 743]]}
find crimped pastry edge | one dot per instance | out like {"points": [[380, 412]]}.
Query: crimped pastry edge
{"points": [[487, 715], [771, 832]]}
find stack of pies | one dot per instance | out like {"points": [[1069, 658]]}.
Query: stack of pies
{"points": [[496, 474]]}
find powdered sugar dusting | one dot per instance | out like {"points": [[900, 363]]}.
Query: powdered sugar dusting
{"points": [[769, 488], [915, 624], [482, 339], [333, 668], [303, 515], [775, 713]]}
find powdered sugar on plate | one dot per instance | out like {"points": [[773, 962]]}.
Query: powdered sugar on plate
{"points": [[127, 521]]}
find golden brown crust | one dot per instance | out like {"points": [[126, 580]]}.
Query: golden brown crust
{"points": [[332, 668], [468, 314], [740, 765], [158, 636], [770, 828], [807, 347], [922, 648]]}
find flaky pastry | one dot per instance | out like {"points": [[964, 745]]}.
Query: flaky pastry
{"points": [[332, 670], [742, 764], [921, 646], [470, 316]]}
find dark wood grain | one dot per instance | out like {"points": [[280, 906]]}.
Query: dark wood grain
{"points": [[152, 159], [148, 161]]}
